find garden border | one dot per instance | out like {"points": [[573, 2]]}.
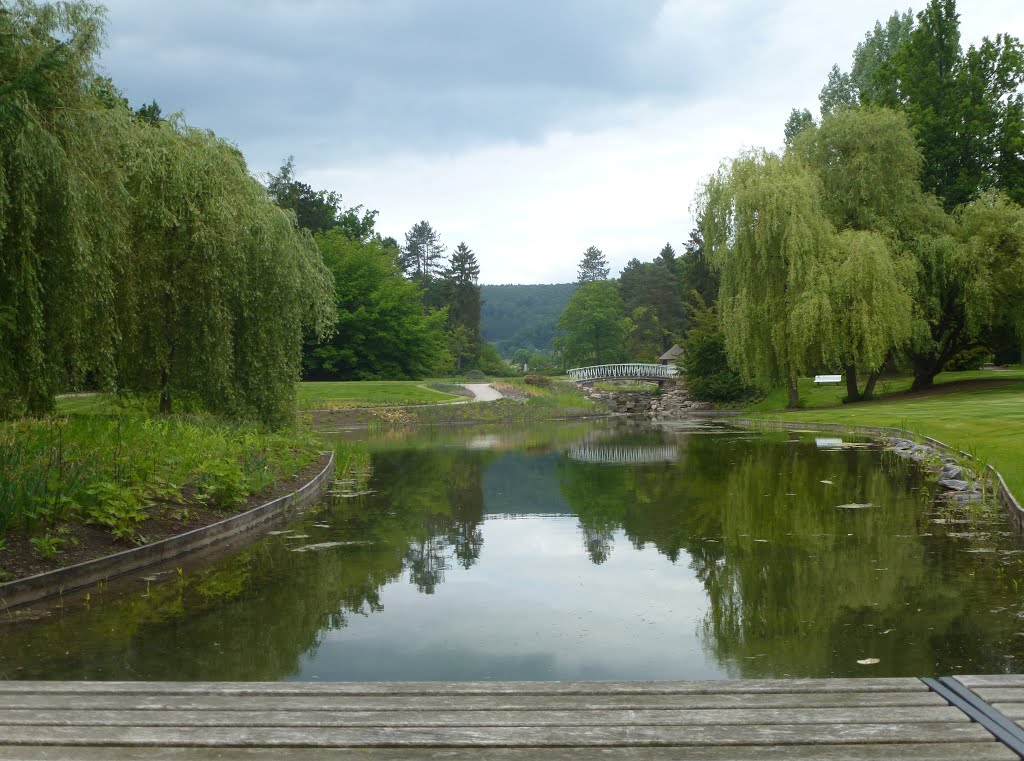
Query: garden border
{"points": [[1003, 494], [31, 589]]}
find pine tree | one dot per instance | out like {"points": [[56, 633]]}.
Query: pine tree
{"points": [[462, 292], [593, 266], [422, 257]]}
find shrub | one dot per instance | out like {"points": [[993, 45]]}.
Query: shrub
{"points": [[222, 483], [116, 507], [708, 375], [970, 359], [537, 380], [491, 361]]}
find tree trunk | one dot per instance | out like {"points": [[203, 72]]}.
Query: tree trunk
{"points": [[927, 367], [924, 374], [40, 404], [794, 394], [869, 389], [922, 380], [852, 393], [165, 391]]}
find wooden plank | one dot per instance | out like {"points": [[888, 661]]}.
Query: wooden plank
{"points": [[710, 687], [1014, 711], [992, 680], [989, 751], [999, 694], [414, 737], [219, 702], [602, 718]]}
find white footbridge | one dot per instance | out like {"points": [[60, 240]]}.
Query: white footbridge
{"points": [[640, 371]]}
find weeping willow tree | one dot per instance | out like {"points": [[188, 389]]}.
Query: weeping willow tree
{"points": [[220, 284], [62, 205], [869, 164], [142, 256], [930, 281], [821, 250], [765, 231]]}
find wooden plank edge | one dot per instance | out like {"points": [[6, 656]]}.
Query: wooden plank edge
{"points": [[710, 687]]}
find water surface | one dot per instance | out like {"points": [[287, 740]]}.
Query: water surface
{"points": [[576, 551]]}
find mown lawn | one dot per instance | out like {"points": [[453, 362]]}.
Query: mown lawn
{"points": [[311, 396], [986, 421], [813, 397], [342, 394]]}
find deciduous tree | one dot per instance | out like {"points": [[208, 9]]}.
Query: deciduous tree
{"points": [[220, 285], [765, 231], [594, 324], [868, 166], [315, 210], [382, 330], [966, 109], [62, 205]]}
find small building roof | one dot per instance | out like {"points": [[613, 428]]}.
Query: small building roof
{"points": [[671, 354]]}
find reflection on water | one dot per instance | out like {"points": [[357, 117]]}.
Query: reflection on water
{"points": [[577, 551]]}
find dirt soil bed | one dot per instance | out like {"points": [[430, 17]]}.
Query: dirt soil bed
{"points": [[81, 542]]}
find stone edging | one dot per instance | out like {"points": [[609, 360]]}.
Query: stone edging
{"points": [[1003, 494], [34, 588]]}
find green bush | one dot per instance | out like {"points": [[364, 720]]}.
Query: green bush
{"points": [[537, 380], [116, 507], [491, 362], [704, 363], [970, 359], [222, 483]]}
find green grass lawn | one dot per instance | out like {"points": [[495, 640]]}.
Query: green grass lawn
{"points": [[985, 422], [82, 404], [340, 394], [311, 395], [813, 397]]}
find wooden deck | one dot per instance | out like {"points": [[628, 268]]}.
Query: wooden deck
{"points": [[518, 721]]}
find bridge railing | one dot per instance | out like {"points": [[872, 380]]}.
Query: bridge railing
{"points": [[623, 371]]}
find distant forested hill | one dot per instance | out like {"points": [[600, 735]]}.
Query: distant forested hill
{"points": [[522, 316]]}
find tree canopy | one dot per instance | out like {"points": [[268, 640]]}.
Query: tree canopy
{"points": [[765, 231], [135, 251], [594, 324], [965, 107], [382, 328]]}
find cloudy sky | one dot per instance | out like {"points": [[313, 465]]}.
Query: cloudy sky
{"points": [[530, 129]]}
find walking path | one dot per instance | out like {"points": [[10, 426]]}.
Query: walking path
{"points": [[747, 720], [483, 392]]}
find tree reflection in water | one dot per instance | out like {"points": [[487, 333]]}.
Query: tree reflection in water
{"points": [[794, 584]]}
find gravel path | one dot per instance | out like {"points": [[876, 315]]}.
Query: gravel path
{"points": [[483, 392]]}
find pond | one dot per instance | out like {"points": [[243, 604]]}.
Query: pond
{"points": [[575, 551]]}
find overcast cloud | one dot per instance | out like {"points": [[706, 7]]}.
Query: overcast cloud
{"points": [[531, 129]]}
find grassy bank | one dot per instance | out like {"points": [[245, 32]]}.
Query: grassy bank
{"points": [[523, 403], [348, 394], [310, 395], [68, 480], [981, 413]]}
